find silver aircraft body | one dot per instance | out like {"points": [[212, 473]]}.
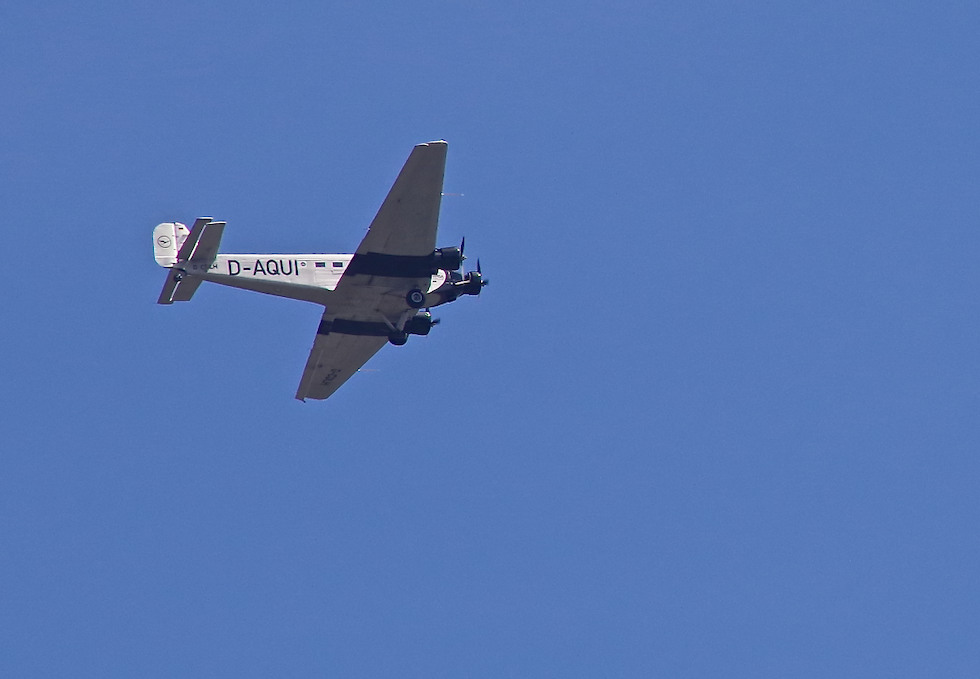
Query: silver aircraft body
{"points": [[379, 294]]}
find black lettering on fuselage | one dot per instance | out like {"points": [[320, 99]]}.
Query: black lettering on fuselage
{"points": [[271, 267]]}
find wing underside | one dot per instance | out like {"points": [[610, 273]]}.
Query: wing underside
{"points": [[334, 358], [407, 221], [369, 301]]}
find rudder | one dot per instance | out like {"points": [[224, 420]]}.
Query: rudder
{"points": [[167, 239]]}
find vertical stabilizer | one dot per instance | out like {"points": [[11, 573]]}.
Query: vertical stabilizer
{"points": [[167, 239]]}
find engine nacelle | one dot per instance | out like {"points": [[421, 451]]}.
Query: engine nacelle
{"points": [[472, 283], [420, 324], [449, 259]]}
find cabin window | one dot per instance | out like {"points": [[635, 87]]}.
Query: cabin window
{"points": [[336, 264], [320, 264]]}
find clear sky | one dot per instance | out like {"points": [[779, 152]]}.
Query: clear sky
{"points": [[715, 415]]}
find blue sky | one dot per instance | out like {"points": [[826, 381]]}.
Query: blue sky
{"points": [[716, 414]]}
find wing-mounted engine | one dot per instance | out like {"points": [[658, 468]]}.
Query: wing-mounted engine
{"points": [[449, 259], [420, 324]]}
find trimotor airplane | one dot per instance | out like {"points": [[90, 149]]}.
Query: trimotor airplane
{"points": [[379, 294]]}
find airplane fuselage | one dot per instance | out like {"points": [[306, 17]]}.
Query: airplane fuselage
{"points": [[316, 270]]}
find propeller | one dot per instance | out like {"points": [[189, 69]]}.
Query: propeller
{"points": [[473, 281], [451, 259]]}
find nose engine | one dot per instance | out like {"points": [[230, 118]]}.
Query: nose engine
{"points": [[472, 283], [460, 282], [457, 284]]}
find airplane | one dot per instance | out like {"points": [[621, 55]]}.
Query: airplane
{"points": [[380, 294]]}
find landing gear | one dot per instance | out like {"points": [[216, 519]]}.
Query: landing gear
{"points": [[415, 298], [398, 338]]}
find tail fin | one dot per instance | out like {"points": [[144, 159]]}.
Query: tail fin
{"points": [[167, 239], [175, 247]]}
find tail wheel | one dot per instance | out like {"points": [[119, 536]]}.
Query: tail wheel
{"points": [[415, 298]]}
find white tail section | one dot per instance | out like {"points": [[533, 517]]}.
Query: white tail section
{"points": [[185, 251], [167, 239]]}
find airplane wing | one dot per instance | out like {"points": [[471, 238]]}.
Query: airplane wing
{"points": [[392, 259], [407, 221], [340, 348]]}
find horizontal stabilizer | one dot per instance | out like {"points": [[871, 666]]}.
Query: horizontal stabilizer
{"points": [[190, 242], [202, 243], [186, 288], [179, 287], [207, 246], [169, 287], [200, 247]]}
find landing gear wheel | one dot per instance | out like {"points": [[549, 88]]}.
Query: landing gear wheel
{"points": [[398, 338], [415, 298]]}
